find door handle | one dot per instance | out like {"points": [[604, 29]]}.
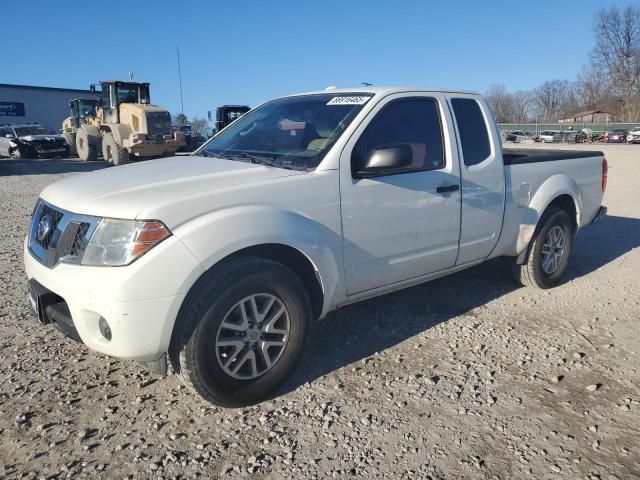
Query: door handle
{"points": [[448, 188]]}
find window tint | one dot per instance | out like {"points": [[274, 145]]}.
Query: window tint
{"points": [[412, 121], [474, 136]]}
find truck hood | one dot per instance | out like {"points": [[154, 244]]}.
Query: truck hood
{"points": [[127, 190], [39, 138]]}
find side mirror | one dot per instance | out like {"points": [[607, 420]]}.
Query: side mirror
{"points": [[10, 135], [387, 158]]}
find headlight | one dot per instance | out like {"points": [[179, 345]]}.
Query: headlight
{"points": [[120, 242], [12, 143]]}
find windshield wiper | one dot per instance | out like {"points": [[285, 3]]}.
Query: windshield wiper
{"points": [[256, 159]]}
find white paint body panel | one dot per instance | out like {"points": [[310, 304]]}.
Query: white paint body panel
{"points": [[363, 238]]}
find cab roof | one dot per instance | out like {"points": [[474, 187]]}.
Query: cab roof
{"points": [[387, 90], [132, 82]]}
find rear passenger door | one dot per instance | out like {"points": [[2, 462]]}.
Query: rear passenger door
{"points": [[405, 223], [482, 175]]}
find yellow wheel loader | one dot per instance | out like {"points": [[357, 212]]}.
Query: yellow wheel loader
{"points": [[81, 110], [126, 125]]}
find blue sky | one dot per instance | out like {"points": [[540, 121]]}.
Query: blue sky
{"points": [[246, 52]]}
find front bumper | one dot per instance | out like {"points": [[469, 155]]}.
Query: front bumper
{"points": [[140, 302]]}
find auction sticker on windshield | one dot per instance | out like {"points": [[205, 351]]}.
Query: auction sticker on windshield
{"points": [[348, 100]]}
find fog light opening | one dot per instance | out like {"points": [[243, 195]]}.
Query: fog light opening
{"points": [[105, 329]]}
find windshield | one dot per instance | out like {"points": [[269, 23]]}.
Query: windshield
{"points": [[33, 130], [291, 132], [87, 109]]}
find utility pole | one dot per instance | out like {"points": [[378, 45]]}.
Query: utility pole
{"points": [[180, 79]]}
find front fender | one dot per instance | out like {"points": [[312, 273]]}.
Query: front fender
{"points": [[221, 233], [93, 134], [552, 188], [121, 132]]}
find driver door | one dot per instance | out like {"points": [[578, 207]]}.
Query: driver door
{"points": [[402, 224]]}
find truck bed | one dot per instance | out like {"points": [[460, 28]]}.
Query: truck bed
{"points": [[518, 156]]}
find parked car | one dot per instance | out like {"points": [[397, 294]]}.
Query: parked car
{"points": [[31, 141], [618, 135], [634, 135], [585, 135], [221, 259], [517, 136], [548, 136]]}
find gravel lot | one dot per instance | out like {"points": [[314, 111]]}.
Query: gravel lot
{"points": [[464, 377]]}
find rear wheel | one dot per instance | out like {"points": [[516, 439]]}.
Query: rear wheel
{"points": [[241, 331], [112, 152], [549, 252], [86, 146], [70, 137]]}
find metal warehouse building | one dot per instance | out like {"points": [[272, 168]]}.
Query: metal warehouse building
{"points": [[47, 106]]}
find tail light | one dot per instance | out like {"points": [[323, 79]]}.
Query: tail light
{"points": [[605, 173]]}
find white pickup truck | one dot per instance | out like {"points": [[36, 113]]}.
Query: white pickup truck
{"points": [[220, 260]]}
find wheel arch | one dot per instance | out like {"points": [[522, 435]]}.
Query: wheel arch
{"points": [[286, 255], [120, 132], [565, 199], [293, 259]]}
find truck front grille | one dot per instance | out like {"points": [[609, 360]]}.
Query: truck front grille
{"points": [[56, 234], [158, 124]]}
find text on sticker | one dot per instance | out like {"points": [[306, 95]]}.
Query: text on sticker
{"points": [[348, 100]]}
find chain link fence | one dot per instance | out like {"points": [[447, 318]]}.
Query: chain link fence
{"points": [[533, 129]]}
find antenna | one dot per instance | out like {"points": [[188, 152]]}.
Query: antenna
{"points": [[180, 79]]}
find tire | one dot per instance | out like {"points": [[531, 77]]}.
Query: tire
{"points": [[542, 140], [196, 354], [536, 272], [70, 137], [86, 146], [112, 152]]}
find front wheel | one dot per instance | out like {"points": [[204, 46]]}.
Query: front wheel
{"points": [[70, 137], [549, 253], [86, 146], [113, 152], [241, 331]]}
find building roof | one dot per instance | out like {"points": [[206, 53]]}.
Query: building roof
{"points": [[50, 89], [584, 114]]}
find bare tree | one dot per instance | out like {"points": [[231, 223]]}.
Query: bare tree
{"points": [[550, 99], [522, 101], [501, 103], [200, 127], [180, 119], [593, 87], [572, 101], [617, 52]]}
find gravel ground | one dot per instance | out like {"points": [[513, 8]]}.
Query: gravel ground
{"points": [[464, 377]]}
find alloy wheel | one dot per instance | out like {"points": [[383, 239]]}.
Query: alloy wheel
{"points": [[553, 249], [253, 336]]}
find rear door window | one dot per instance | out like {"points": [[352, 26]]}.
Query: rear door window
{"points": [[474, 136]]}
